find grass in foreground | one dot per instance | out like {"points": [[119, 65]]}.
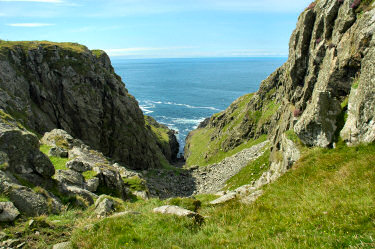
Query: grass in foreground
{"points": [[326, 200]]}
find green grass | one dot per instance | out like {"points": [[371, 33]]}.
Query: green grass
{"points": [[29, 45], [250, 172], [3, 198], [326, 200], [97, 52], [89, 174], [212, 144], [135, 183], [58, 162], [187, 203], [200, 142]]}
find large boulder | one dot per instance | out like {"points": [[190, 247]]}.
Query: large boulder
{"points": [[104, 206], [22, 153], [78, 165], [70, 177]]}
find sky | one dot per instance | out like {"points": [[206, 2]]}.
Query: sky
{"points": [[157, 28]]}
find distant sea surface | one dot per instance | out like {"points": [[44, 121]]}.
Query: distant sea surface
{"points": [[181, 93]]}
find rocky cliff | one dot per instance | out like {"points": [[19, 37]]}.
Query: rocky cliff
{"points": [[324, 93], [45, 85]]}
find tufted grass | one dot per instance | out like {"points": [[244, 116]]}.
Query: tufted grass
{"points": [[326, 200]]}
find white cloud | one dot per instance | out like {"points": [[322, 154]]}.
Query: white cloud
{"points": [[40, 1], [30, 25]]}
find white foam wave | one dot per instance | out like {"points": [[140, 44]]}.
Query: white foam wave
{"points": [[146, 109], [187, 121], [192, 107]]}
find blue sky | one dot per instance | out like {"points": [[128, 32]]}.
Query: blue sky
{"points": [[157, 28]]}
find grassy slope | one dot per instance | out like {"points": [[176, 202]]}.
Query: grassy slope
{"points": [[204, 150], [327, 200]]}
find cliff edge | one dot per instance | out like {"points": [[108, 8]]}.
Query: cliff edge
{"points": [[46, 85]]}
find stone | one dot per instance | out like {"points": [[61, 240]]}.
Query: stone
{"points": [[28, 202], [62, 245], [8, 212], [92, 184], [78, 165], [58, 152], [175, 210], [225, 198], [76, 191], [22, 153], [104, 207], [111, 180], [70, 177]]}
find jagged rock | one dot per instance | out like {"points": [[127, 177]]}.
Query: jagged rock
{"points": [[26, 201], [74, 191], [62, 245], [70, 177], [92, 184], [58, 152], [59, 138], [78, 165], [8, 212], [317, 125], [175, 210], [225, 198], [110, 180], [22, 153], [104, 207], [141, 194]]}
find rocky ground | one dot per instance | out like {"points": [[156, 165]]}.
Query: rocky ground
{"points": [[200, 180]]}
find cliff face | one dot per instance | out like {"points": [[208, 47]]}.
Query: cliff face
{"points": [[323, 93], [48, 85]]}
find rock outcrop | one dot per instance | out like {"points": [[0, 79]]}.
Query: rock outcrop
{"points": [[325, 89], [47, 85]]}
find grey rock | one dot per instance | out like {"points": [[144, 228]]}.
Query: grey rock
{"points": [[28, 202], [225, 198], [58, 152], [317, 125], [78, 165], [22, 153], [92, 184], [175, 210], [104, 207], [76, 191], [70, 177], [62, 245], [8, 212]]}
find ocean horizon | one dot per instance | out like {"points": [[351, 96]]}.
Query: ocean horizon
{"points": [[182, 92]]}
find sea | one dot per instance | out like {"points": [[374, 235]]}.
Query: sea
{"points": [[181, 93]]}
